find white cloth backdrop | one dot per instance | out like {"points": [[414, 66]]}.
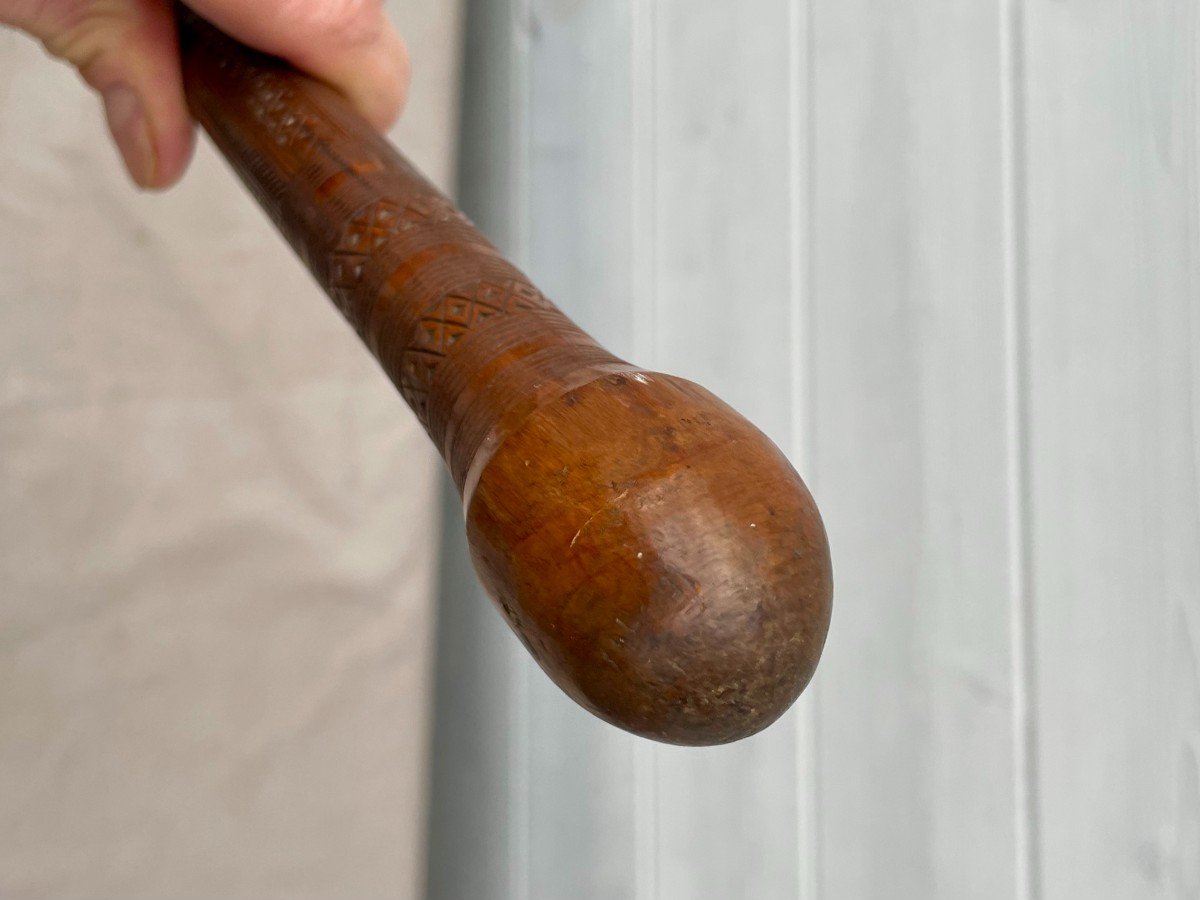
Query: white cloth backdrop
{"points": [[218, 529], [947, 255]]}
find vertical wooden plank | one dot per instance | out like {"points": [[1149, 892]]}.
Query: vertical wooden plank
{"points": [[478, 831], [469, 799], [726, 818], [582, 840], [1014, 204], [801, 123], [1115, 512], [916, 714], [581, 180]]}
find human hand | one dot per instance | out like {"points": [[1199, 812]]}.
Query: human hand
{"points": [[128, 51]]}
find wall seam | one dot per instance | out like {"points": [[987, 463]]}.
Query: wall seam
{"points": [[802, 347], [643, 230], [1017, 391]]}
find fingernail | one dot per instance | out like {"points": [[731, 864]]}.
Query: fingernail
{"points": [[131, 132]]}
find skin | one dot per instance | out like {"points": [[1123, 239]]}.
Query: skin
{"points": [[127, 51]]}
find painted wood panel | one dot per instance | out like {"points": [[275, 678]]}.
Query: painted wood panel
{"points": [[916, 726], [583, 803], [946, 255], [719, 296], [1115, 505], [479, 803]]}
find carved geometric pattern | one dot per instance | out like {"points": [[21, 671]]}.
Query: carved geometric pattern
{"points": [[370, 229], [425, 288], [448, 320], [272, 100], [372, 238]]}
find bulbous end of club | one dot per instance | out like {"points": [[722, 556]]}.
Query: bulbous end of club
{"points": [[659, 557]]}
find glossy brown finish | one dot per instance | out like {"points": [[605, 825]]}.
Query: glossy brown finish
{"points": [[655, 552]]}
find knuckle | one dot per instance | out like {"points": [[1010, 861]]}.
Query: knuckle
{"points": [[78, 31]]}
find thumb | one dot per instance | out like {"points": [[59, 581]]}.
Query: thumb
{"points": [[128, 51], [350, 44]]}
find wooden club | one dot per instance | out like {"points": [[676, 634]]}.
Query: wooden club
{"points": [[655, 552]]}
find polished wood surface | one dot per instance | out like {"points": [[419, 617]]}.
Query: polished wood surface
{"points": [[654, 551]]}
